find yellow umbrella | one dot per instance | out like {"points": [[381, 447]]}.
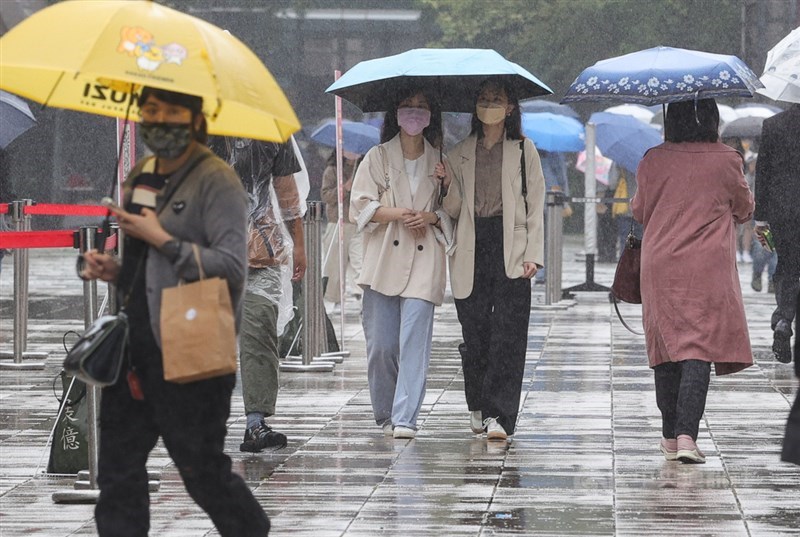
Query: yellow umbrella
{"points": [[94, 56]]}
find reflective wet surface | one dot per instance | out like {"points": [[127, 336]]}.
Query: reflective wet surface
{"points": [[584, 461]]}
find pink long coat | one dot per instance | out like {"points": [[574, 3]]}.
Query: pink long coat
{"points": [[689, 197]]}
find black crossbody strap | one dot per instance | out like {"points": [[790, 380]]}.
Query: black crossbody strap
{"points": [[180, 179], [524, 175], [616, 307]]}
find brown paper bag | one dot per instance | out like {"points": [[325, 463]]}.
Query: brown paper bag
{"points": [[198, 335]]}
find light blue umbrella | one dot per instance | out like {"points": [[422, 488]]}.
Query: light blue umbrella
{"points": [[540, 105], [357, 138], [15, 117], [453, 74], [664, 75], [623, 139], [552, 132]]}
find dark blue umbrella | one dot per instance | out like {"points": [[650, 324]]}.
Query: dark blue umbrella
{"points": [[623, 139], [664, 75], [356, 137], [552, 132], [540, 105], [15, 117], [453, 74]]}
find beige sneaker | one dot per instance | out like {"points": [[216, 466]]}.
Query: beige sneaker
{"points": [[688, 452], [404, 432], [387, 429], [669, 447], [476, 421], [494, 431]]}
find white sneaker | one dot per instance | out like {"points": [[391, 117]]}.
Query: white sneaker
{"points": [[404, 432], [739, 258], [746, 257], [494, 431], [476, 421], [387, 429]]}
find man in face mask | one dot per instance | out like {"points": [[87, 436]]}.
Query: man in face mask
{"points": [[182, 209]]}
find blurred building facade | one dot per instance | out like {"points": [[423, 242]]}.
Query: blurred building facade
{"points": [[70, 157]]}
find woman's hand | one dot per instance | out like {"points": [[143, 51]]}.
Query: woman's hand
{"points": [[144, 226], [99, 266], [384, 215], [529, 270], [420, 220], [441, 173]]}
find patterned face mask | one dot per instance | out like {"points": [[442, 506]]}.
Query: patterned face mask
{"points": [[166, 140]]}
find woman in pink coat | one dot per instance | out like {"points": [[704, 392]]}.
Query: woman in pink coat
{"points": [[691, 192]]}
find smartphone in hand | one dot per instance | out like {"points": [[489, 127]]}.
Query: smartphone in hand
{"points": [[111, 204]]}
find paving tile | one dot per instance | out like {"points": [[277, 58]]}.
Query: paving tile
{"points": [[584, 460]]}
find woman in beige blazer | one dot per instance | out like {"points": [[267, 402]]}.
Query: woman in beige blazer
{"points": [[498, 248], [394, 202]]}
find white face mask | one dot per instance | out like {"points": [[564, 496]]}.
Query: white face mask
{"points": [[490, 115]]}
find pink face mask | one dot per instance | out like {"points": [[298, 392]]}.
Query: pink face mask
{"points": [[413, 120]]}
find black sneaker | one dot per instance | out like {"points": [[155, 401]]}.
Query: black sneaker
{"points": [[261, 436], [756, 283], [781, 341]]}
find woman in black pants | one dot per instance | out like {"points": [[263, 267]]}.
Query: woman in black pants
{"points": [[691, 192], [497, 196]]}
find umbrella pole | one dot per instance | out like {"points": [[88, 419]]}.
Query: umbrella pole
{"points": [[340, 218]]}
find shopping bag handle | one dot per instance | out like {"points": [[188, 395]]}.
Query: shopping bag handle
{"points": [[196, 251]]}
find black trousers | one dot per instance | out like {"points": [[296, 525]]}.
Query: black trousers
{"points": [[494, 323], [787, 273], [791, 441], [191, 418], [681, 390]]}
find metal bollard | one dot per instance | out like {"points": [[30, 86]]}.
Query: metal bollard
{"points": [[85, 488], [314, 335], [22, 222], [554, 250]]}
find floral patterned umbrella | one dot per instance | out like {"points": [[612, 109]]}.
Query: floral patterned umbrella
{"points": [[663, 75]]}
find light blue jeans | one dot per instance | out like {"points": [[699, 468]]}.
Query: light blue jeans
{"points": [[398, 332]]}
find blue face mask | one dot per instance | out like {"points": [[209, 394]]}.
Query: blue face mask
{"points": [[166, 140]]}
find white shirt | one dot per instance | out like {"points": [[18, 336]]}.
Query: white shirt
{"points": [[413, 178]]}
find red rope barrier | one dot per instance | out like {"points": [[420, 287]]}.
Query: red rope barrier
{"points": [[37, 239], [46, 239], [56, 209]]}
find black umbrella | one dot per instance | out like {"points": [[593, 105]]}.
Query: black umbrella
{"points": [[744, 127]]}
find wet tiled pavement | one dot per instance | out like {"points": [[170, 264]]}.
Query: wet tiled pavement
{"points": [[584, 460]]}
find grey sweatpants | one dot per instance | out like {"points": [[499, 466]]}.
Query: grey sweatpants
{"points": [[258, 354]]}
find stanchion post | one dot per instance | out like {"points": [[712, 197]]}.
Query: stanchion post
{"points": [[22, 222], [314, 336], [86, 489], [553, 252], [589, 220]]}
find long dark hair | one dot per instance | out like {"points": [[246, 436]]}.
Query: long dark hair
{"points": [[513, 123], [692, 121], [432, 133], [192, 102]]}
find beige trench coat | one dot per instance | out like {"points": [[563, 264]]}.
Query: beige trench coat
{"points": [[523, 234], [394, 262]]}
